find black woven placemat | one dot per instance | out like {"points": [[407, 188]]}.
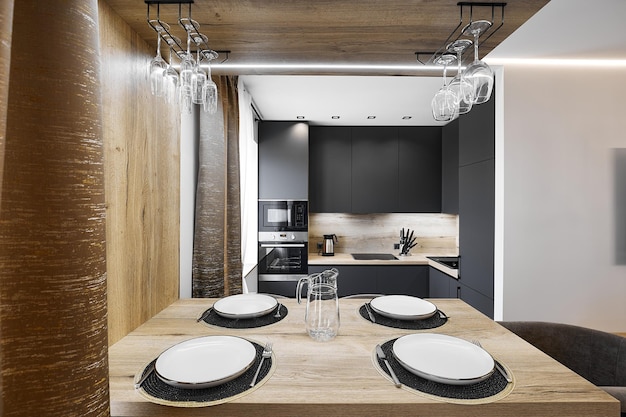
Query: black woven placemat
{"points": [[491, 386], [211, 317], [155, 388], [431, 322]]}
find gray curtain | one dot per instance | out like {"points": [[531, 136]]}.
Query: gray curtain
{"points": [[217, 265]]}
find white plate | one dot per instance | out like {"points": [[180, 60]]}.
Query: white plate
{"points": [[443, 358], [245, 306], [403, 307], [205, 361]]}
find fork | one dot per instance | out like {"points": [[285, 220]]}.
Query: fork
{"points": [[267, 352], [500, 369], [277, 315]]}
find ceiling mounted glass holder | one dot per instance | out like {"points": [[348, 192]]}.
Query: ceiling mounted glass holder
{"points": [[189, 25], [460, 29]]}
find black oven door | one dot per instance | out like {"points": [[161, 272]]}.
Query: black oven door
{"points": [[282, 261]]}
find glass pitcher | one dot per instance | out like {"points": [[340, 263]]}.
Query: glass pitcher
{"points": [[322, 312], [326, 277], [322, 308]]}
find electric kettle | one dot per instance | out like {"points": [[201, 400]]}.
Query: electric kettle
{"points": [[328, 247]]}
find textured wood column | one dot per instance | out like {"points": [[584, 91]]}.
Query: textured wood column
{"points": [[53, 311], [6, 29]]}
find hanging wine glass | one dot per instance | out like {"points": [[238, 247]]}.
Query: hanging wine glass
{"points": [[459, 85], [187, 66], [198, 77], [209, 91], [478, 73], [170, 76], [157, 64], [444, 103]]}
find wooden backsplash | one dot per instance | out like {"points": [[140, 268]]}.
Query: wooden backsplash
{"points": [[141, 141], [378, 232]]}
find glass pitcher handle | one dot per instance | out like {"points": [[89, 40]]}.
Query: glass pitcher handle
{"points": [[301, 282]]}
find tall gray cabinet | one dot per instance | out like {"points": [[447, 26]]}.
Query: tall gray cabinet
{"points": [[477, 206]]}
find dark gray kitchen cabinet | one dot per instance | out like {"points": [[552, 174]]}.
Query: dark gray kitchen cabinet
{"points": [[374, 170], [441, 285], [476, 299], [330, 170], [403, 279], [477, 206], [352, 279], [450, 168], [283, 160], [379, 279], [419, 168]]}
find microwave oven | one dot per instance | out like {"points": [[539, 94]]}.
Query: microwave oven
{"points": [[283, 216]]}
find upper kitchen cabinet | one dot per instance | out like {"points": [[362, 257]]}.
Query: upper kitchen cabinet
{"points": [[284, 160], [419, 169], [330, 170], [375, 169]]}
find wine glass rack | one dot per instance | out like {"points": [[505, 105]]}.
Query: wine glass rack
{"points": [[466, 8]]}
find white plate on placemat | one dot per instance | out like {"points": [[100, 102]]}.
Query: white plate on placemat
{"points": [[245, 306], [443, 358], [403, 307], [205, 361]]}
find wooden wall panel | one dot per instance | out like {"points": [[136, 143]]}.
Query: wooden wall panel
{"points": [[141, 138]]}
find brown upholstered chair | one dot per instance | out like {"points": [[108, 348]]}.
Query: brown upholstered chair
{"points": [[597, 356]]}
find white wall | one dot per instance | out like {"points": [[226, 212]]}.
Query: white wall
{"points": [[561, 218]]}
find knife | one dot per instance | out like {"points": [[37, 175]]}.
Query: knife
{"points": [[381, 355], [204, 315], [369, 313], [503, 372], [145, 376]]}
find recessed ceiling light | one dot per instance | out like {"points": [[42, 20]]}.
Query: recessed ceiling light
{"points": [[371, 117], [335, 117], [407, 117]]}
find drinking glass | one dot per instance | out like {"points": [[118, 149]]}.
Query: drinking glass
{"points": [[198, 79], [170, 76], [187, 67], [478, 73], [444, 104], [460, 85], [157, 66], [209, 90]]}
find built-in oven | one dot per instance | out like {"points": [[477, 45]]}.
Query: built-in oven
{"points": [[283, 216], [283, 260]]}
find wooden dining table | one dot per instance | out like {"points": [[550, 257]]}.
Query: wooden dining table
{"points": [[341, 378]]}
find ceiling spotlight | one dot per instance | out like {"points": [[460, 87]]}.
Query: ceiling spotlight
{"points": [[371, 117], [335, 117], [300, 117]]}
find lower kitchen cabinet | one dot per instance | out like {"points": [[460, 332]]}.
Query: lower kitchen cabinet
{"points": [[284, 288], [379, 279], [441, 285], [477, 300]]}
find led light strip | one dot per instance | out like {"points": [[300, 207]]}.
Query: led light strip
{"points": [[608, 63]]}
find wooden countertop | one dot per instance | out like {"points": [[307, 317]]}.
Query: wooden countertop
{"points": [[338, 378], [414, 259]]}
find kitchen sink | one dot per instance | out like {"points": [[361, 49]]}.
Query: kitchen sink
{"points": [[449, 261], [374, 257]]}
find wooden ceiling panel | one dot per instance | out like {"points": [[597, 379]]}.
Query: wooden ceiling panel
{"points": [[325, 31]]}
